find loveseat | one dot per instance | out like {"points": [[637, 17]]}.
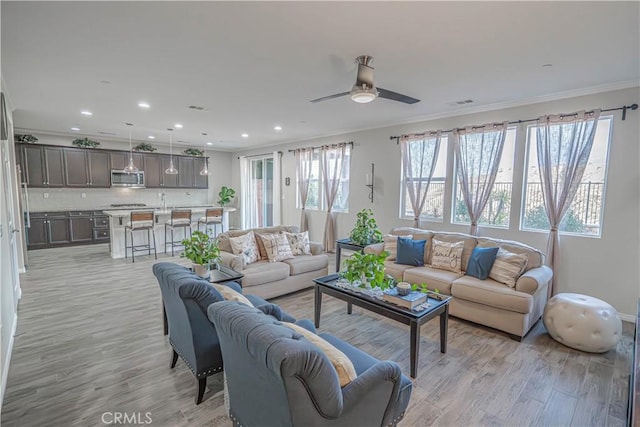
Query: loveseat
{"points": [[488, 302], [271, 279]]}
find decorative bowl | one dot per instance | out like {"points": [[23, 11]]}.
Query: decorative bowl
{"points": [[403, 288]]}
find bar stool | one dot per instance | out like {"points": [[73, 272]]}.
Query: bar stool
{"points": [[180, 218], [140, 221], [212, 216]]}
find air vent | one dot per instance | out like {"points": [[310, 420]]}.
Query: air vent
{"points": [[106, 133], [466, 101], [197, 108], [184, 142]]}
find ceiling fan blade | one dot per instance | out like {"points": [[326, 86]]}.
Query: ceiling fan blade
{"points": [[324, 98], [395, 96]]}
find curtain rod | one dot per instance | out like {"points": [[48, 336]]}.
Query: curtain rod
{"points": [[260, 155], [623, 108], [313, 148]]}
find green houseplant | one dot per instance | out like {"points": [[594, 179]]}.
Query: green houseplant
{"points": [[194, 152], [85, 143], [201, 250], [366, 230], [368, 269], [145, 146], [25, 138], [226, 194]]}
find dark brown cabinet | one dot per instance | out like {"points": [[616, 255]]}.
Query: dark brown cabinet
{"points": [[42, 166], [169, 181], [76, 171], [99, 169], [201, 181], [153, 171], [51, 229], [81, 226], [186, 172], [120, 159], [54, 165], [37, 236]]}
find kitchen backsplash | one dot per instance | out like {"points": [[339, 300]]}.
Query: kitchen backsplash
{"points": [[48, 199]]}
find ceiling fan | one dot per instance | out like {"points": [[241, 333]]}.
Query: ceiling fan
{"points": [[364, 90]]}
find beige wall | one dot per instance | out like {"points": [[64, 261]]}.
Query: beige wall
{"points": [[605, 267]]}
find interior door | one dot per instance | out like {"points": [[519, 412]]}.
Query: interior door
{"points": [[258, 186]]}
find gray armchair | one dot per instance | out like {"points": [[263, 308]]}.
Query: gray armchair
{"points": [[186, 297], [277, 378]]}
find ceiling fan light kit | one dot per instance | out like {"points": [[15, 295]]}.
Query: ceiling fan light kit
{"points": [[363, 94]]}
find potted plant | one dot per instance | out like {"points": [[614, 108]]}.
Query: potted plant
{"points": [[145, 146], [226, 194], [368, 269], [194, 152], [25, 138], [366, 230], [201, 250], [85, 143]]}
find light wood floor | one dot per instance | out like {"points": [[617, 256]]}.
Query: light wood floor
{"points": [[90, 342]]}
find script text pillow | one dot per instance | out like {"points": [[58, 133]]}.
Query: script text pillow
{"points": [[447, 255], [230, 295], [481, 261], [391, 245], [247, 246], [342, 364], [508, 267], [299, 243], [410, 252], [276, 246]]}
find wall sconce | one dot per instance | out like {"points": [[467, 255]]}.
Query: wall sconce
{"points": [[369, 179], [287, 181]]}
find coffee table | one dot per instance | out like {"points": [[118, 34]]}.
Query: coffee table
{"points": [[415, 319], [220, 274]]}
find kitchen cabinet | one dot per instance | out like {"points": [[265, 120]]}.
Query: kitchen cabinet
{"points": [[51, 229], [186, 172], [81, 226], [87, 168], [43, 166], [99, 169], [100, 227], [169, 181], [201, 181], [120, 159], [153, 171]]}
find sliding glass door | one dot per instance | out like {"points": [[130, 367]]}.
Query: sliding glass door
{"points": [[260, 190]]}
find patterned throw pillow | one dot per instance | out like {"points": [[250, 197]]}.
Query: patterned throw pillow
{"points": [[276, 246], [299, 243], [391, 245], [247, 246], [447, 256], [230, 295], [508, 267]]}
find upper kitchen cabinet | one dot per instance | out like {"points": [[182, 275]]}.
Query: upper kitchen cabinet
{"points": [[43, 166], [86, 168], [201, 181], [153, 170], [120, 159], [186, 172]]}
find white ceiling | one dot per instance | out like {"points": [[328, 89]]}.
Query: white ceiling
{"points": [[257, 64]]}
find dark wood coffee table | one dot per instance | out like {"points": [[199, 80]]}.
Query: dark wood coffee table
{"points": [[327, 285], [220, 274]]}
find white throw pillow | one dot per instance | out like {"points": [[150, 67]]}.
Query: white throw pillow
{"points": [[507, 267], [391, 245], [276, 246], [447, 256], [299, 242], [247, 246]]}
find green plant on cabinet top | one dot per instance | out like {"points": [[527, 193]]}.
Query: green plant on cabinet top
{"points": [[194, 152], [145, 146], [366, 230], [226, 194], [85, 143], [25, 138]]}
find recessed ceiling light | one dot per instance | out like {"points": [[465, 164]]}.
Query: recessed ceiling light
{"points": [[144, 105], [86, 113], [75, 128], [277, 127], [245, 135], [151, 137], [177, 126], [105, 82], [209, 143], [547, 65]]}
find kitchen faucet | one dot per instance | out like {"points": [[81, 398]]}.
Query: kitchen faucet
{"points": [[164, 201]]}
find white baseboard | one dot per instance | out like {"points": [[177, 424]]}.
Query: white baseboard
{"points": [[7, 359], [627, 317]]}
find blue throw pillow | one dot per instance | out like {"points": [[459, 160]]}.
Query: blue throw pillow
{"points": [[410, 252], [481, 261]]}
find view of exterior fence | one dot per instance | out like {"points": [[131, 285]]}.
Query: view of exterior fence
{"points": [[583, 216]]}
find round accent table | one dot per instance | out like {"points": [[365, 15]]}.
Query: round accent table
{"points": [[582, 322]]}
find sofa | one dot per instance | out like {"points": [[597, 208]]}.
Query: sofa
{"points": [[486, 302], [271, 279], [277, 377]]}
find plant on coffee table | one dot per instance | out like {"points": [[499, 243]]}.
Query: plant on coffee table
{"points": [[366, 230], [368, 269], [201, 250]]}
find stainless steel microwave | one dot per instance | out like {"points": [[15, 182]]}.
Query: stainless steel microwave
{"points": [[119, 178]]}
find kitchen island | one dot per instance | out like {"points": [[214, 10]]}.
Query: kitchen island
{"points": [[118, 219]]}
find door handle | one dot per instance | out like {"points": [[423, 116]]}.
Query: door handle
{"points": [[15, 230]]}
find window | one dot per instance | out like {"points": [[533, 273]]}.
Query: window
{"points": [[496, 212], [314, 196], [585, 213], [341, 204], [433, 206]]}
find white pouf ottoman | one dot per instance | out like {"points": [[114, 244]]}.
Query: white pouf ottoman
{"points": [[582, 322]]}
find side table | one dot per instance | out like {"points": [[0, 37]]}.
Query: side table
{"points": [[346, 244]]}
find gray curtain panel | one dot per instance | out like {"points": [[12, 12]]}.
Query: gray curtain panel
{"points": [[4, 124], [304, 157], [563, 147], [333, 161], [478, 152], [419, 157]]}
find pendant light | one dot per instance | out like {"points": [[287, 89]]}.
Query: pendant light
{"points": [[171, 170], [205, 170], [130, 168]]}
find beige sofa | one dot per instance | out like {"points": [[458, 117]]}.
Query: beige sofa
{"points": [[487, 302], [271, 279]]}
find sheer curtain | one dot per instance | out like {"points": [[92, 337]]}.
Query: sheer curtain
{"points": [[478, 151], [333, 161], [276, 189], [304, 158], [419, 156], [563, 146], [249, 213]]}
